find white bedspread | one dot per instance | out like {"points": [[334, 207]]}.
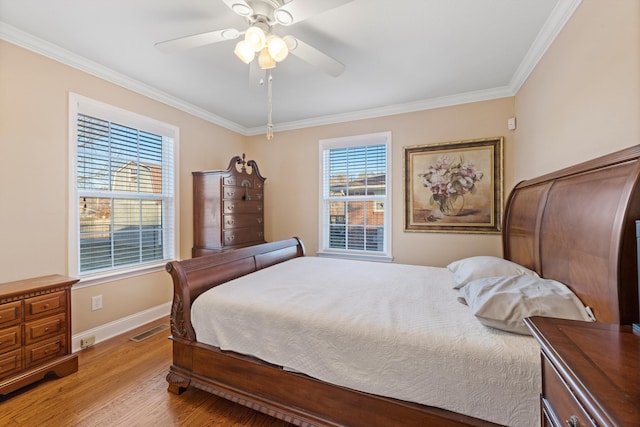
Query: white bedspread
{"points": [[388, 329]]}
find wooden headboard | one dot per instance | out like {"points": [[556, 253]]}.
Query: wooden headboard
{"points": [[577, 226]]}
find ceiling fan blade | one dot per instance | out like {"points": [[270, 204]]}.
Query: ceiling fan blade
{"points": [[240, 7], [313, 56], [197, 40], [299, 10], [257, 75]]}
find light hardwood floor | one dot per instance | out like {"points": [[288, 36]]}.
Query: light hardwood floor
{"points": [[122, 383]]}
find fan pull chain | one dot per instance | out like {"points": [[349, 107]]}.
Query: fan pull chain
{"points": [[270, 107]]}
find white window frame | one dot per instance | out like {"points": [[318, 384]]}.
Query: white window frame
{"points": [[382, 138], [82, 105]]}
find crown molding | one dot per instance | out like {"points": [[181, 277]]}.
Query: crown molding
{"points": [[390, 110], [550, 30], [55, 52]]}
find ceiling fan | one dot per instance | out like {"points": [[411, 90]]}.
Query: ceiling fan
{"points": [[259, 40]]}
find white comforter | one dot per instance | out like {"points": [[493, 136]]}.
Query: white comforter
{"points": [[388, 329]]}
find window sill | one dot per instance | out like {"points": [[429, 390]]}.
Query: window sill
{"points": [[355, 256], [113, 275]]}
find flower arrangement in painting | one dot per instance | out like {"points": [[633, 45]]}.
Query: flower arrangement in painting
{"points": [[449, 180]]}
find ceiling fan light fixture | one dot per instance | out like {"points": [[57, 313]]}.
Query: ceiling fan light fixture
{"points": [[256, 38], [277, 48], [244, 52], [265, 60], [283, 17]]}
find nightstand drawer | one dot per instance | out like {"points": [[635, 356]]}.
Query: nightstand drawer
{"points": [[10, 338], [10, 362], [559, 402], [43, 351], [42, 329], [45, 305], [10, 313]]}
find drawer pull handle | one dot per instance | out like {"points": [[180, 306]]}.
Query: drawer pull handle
{"points": [[46, 306], [46, 329], [573, 421]]}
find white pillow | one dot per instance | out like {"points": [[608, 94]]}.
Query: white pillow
{"points": [[477, 267], [503, 302]]}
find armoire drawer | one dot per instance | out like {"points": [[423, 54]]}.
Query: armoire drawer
{"points": [[243, 235], [240, 193], [242, 221], [242, 206]]}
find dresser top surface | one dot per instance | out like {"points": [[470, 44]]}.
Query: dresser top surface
{"points": [[42, 282], [600, 361]]}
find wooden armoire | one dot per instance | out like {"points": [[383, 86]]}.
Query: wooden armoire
{"points": [[228, 207]]}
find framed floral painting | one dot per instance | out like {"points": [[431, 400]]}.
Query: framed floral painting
{"points": [[454, 186]]}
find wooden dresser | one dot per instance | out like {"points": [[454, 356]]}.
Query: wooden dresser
{"points": [[228, 207], [590, 373], [35, 330]]}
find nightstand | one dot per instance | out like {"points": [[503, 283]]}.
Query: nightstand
{"points": [[35, 331], [590, 373]]}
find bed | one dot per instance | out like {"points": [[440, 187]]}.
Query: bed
{"points": [[575, 226]]}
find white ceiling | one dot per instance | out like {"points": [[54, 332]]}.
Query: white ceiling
{"points": [[401, 55]]}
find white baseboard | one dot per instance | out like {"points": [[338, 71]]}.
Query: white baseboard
{"points": [[120, 326]]}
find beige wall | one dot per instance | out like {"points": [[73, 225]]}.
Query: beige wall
{"points": [[34, 177], [583, 99], [290, 163]]}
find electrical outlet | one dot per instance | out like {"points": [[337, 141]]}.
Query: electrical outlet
{"points": [[96, 302], [87, 341]]}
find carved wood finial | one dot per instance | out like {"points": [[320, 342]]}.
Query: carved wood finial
{"points": [[243, 162]]}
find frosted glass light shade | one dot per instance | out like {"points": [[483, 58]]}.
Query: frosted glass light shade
{"points": [[255, 38], [244, 52], [265, 60], [277, 48]]}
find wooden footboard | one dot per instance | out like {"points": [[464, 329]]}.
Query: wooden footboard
{"points": [[292, 397], [194, 276]]}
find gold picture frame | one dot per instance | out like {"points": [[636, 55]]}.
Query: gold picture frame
{"points": [[454, 187]]}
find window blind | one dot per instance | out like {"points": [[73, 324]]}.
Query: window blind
{"points": [[354, 198], [124, 181]]}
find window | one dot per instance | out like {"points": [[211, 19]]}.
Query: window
{"points": [[355, 196], [123, 204]]}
